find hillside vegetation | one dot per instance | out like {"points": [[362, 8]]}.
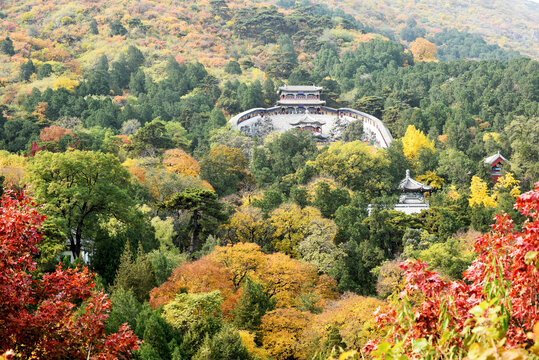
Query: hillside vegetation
{"points": [[136, 224]]}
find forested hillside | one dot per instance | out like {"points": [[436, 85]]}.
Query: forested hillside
{"points": [[512, 25], [135, 223]]}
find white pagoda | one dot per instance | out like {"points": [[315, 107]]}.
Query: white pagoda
{"points": [[412, 199]]}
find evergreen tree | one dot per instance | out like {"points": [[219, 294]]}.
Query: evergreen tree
{"points": [[93, 27], [217, 118], [252, 305], [6, 46], [44, 71], [125, 308], [155, 335], [135, 274], [119, 75], [99, 80], [116, 28], [27, 69], [137, 83], [233, 67], [135, 58], [226, 344]]}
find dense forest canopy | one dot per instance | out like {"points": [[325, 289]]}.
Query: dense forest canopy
{"points": [[133, 209]]}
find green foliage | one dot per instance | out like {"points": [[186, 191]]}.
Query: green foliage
{"points": [[116, 28], [27, 69], [18, 134], [454, 45], [283, 155], [80, 189], [6, 46], [411, 31], [155, 335], [226, 344], [125, 309], [135, 274], [188, 309], [204, 208], [233, 67], [93, 27], [328, 201], [252, 305], [44, 71]]}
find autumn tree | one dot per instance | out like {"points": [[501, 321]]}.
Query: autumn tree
{"points": [[226, 169], [355, 165], [247, 224], [493, 312], [180, 162], [413, 141], [423, 50], [281, 330], [203, 275], [67, 314], [242, 259], [78, 188], [351, 315], [291, 224], [54, 133]]}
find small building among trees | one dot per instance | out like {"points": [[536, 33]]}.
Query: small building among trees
{"points": [[496, 163]]}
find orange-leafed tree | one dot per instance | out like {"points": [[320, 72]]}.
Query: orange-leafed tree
{"points": [[180, 162], [54, 133], [423, 50], [203, 275]]}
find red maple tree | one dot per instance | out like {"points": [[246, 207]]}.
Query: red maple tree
{"points": [[59, 315], [499, 299]]}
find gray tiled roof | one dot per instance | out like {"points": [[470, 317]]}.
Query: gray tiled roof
{"points": [[300, 88]]}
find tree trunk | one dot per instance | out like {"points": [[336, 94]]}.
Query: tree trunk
{"points": [[196, 230]]}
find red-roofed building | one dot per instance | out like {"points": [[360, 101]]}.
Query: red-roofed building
{"points": [[496, 163]]}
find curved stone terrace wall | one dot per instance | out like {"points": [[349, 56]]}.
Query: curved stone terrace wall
{"points": [[370, 123]]}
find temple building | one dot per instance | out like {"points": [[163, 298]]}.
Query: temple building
{"points": [[300, 107], [308, 123], [496, 163], [412, 199], [300, 99]]}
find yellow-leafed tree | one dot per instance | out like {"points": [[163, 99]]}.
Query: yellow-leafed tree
{"points": [[291, 224], [247, 225], [423, 50], [480, 194], [412, 142]]}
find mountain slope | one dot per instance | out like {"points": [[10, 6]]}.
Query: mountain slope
{"points": [[510, 24]]}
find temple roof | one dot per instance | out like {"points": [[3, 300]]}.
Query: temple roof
{"points": [[299, 88], [489, 160], [301, 102], [409, 184], [308, 120]]}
